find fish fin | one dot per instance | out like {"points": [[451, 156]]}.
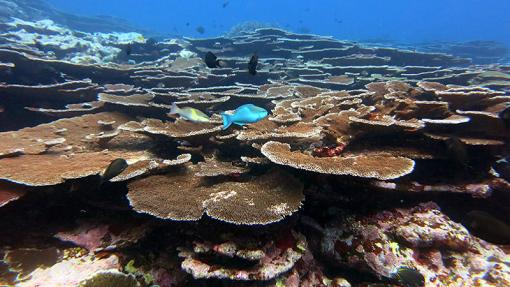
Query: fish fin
{"points": [[174, 109], [227, 120]]}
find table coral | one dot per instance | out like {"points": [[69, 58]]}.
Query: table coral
{"points": [[328, 190]]}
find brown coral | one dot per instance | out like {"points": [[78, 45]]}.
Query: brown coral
{"points": [[183, 196], [179, 128], [371, 166], [74, 132], [49, 169], [10, 192], [265, 130], [213, 167], [145, 167]]}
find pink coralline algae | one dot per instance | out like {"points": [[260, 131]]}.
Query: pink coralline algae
{"points": [[262, 263], [72, 272], [95, 236], [422, 238]]}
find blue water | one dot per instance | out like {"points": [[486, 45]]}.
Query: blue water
{"points": [[391, 20]]}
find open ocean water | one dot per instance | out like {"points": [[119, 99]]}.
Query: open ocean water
{"points": [[254, 143], [397, 20]]}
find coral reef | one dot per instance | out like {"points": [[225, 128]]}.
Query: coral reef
{"points": [[264, 262], [246, 27], [362, 173], [60, 42], [422, 238], [40, 10], [262, 200]]}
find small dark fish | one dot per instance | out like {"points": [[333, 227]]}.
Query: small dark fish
{"points": [[115, 168], [504, 115], [212, 61], [252, 65], [338, 21], [187, 24], [409, 277], [225, 4], [457, 151], [200, 29], [487, 227], [128, 49]]}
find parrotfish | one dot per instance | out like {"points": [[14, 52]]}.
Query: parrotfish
{"points": [[189, 114], [245, 114]]}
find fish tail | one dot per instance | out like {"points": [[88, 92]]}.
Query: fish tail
{"points": [[174, 109], [227, 120]]}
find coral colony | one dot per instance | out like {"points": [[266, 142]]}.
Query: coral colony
{"points": [[345, 165]]}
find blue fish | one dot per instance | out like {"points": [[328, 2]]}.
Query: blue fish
{"points": [[245, 114]]}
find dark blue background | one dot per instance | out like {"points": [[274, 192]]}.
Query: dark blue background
{"points": [[398, 20]]}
